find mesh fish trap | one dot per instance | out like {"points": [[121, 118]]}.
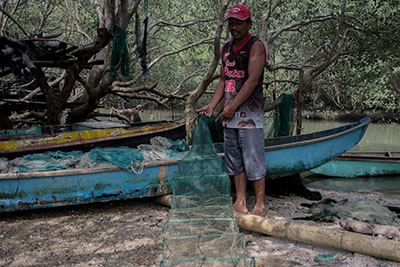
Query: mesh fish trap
{"points": [[200, 229]]}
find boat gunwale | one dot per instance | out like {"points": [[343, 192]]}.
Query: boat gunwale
{"points": [[389, 157], [348, 128], [167, 162], [130, 126], [168, 126]]}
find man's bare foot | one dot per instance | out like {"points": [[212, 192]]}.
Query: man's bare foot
{"points": [[240, 208], [259, 211]]}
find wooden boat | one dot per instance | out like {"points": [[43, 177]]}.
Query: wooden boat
{"points": [[361, 164], [92, 135], [284, 156]]}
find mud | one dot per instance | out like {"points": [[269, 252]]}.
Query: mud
{"points": [[129, 233]]}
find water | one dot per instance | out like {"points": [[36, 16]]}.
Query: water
{"points": [[156, 115], [387, 185], [379, 137]]}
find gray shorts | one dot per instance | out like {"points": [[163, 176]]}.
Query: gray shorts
{"points": [[245, 152]]}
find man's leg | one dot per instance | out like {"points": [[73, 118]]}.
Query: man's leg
{"points": [[240, 185], [259, 190]]}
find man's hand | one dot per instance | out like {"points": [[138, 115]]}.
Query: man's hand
{"points": [[227, 114], [206, 110]]}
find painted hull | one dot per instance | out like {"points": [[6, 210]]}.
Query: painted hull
{"points": [[284, 156], [34, 190], [362, 164], [289, 155], [88, 139]]}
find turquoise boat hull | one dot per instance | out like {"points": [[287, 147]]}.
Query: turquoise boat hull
{"points": [[290, 155], [23, 191], [362, 164], [284, 156]]}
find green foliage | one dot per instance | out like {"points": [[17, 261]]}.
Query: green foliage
{"points": [[364, 79]]}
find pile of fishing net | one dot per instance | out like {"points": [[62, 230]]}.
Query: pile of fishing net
{"points": [[127, 158], [200, 229], [362, 210]]}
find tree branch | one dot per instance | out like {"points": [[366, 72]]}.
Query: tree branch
{"points": [[14, 20]]}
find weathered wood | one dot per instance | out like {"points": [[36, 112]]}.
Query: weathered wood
{"points": [[371, 229], [13, 43], [95, 62], [42, 37], [52, 44], [5, 52], [16, 104], [54, 63], [32, 68]]}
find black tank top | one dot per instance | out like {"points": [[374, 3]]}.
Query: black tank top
{"points": [[251, 113]]}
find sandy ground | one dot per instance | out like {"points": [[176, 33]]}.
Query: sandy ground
{"points": [[129, 233]]}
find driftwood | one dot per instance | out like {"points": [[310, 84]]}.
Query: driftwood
{"points": [[371, 229], [37, 51]]}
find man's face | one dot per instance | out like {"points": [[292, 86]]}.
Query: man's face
{"points": [[238, 28]]}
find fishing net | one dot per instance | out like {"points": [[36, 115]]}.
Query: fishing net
{"points": [[119, 53], [362, 210], [280, 121], [200, 229], [127, 158]]}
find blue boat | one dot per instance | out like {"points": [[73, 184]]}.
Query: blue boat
{"points": [[353, 164], [290, 155], [284, 156]]}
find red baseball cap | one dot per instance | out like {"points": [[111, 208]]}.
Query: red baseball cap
{"points": [[241, 12]]}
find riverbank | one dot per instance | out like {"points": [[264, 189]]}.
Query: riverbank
{"points": [[129, 233]]}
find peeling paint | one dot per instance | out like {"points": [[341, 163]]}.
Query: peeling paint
{"points": [[77, 137]]}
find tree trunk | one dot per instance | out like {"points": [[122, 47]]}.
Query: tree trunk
{"points": [[190, 116]]}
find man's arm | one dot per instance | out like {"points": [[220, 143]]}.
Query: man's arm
{"points": [[256, 67]]}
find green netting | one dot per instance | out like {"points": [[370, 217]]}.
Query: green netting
{"points": [[204, 246], [200, 226], [215, 185], [200, 229], [119, 53], [185, 202], [49, 161], [208, 211], [130, 159], [280, 121], [207, 262], [202, 143], [364, 210], [216, 129]]}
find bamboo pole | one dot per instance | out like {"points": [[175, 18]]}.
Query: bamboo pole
{"points": [[339, 239]]}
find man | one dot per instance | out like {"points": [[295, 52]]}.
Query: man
{"points": [[243, 61]]}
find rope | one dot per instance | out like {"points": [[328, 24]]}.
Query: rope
{"points": [[141, 46], [138, 170]]}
